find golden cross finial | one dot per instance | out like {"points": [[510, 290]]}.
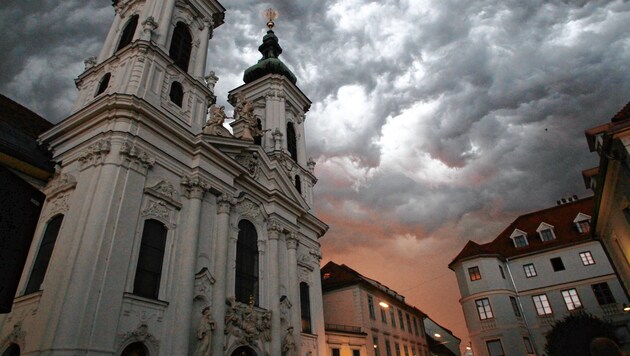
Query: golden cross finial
{"points": [[270, 14]]}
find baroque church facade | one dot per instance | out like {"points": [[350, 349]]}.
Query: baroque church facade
{"points": [[162, 232]]}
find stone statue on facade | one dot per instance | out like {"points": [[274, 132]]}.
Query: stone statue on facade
{"points": [[215, 124], [246, 323], [204, 333], [288, 343], [245, 111]]}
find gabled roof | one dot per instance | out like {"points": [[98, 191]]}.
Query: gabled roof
{"points": [[623, 114], [336, 276], [560, 217]]}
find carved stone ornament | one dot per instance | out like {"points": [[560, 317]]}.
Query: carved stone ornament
{"points": [[211, 80], [285, 311], [292, 240], [225, 202], [89, 62], [166, 191], [249, 208], [274, 225], [59, 204], [141, 334], [95, 153], [149, 26], [137, 156], [288, 343], [158, 209], [16, 336], [214, 126], [194, 186], [288, 164], [277, 139], [310, 260], [60, 182], [204, 333], [245, 323], [203, 284], [311, 165], [250, 161]]}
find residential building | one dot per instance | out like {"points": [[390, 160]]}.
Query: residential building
{"points": [[610, 182], [162, 232], [365, 317], [542, 267], [441, 340]]}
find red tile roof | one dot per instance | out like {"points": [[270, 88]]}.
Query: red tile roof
{"points": [[623, 114], [560, 217]]}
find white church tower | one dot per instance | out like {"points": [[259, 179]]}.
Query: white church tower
{"points": [[165, 234]]}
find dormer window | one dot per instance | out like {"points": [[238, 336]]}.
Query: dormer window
{"points": [[545, 231], [519, 238], [582, 223]]}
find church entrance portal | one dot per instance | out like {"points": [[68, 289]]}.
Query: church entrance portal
{"points": [[244, 351]]}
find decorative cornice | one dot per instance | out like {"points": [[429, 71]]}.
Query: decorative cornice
{"points": [[134, 155], [95, 153]]}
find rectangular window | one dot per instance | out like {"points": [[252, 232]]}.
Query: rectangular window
{"points": [[584, 226], [502, 273], [495, 348], [377, 351], [483, 309], [542, 304], [530, 270], [392, 317], [557, 264], [413, 350], [528, 345], [383, 316], [397, 347], [415, 326], [150, 260], [587, 258], [43, 255], [546, 235], [401, 321], [336, 352], [388, 348], [571, 299], [409, 323], [517, 311], [406, 350], [305, 307], [474, 273], [520, 241], [356, 353], [603, 293], [371, 307]]}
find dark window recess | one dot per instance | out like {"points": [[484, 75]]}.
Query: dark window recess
{"points": [[495, 348], [181, 45], [12, 350], [305, 307], [43, 255], [177, 94], [103, 84], [128, 32], [298, 184], [336, 352], [150, 259], [246, 287], [258, 138], [291, 141], [557, 264], [517, 311], [356, 353], [603, 293], [502, 273], [135, 349]]}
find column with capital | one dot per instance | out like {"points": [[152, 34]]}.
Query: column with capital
{"points": [[224, 204], [273, 233], [194, 189], [294, 293]]}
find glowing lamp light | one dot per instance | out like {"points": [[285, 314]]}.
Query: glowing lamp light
{"points": [[383, 304], [437, 335], [626, 307], [468, 348]]}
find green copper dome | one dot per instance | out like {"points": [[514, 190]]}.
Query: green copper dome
{"points": [[269, 64]]}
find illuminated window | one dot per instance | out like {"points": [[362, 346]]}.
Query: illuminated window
{"points": [[483, 309], [571, 299], [530, 270], [474, 273], [542, 304], [587, 258]]}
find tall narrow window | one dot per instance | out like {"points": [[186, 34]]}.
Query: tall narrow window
{"points": [[150, 260], [305, 307], [177, 94], [246, 263], [258, 138], [298, 184], [528, 345], [415, 326], [603, 294], [530, 270], [383, 316], [408, 323], [388, 348], [371, 307], [128, 32], [291, 141], [181, 45], [401, 321], [392, 317], [43, 255], [103, 84], [397, 347], [502, 273], [377, 351], [517, 311], [483, 309]]}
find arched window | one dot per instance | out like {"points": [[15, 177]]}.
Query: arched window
{"points": [[305, 307], [291, 141], [177, 94], [103, 84], [12, 350], [246, 263], [135, 349], [150, 259], [181, 45], [298, 183], [128, 32], [43, 255]]}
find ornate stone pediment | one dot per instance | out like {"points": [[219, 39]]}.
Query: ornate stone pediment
{"points": [[141, 334], [203, 284], [250, 209], [246, 324], [166, 191], [250, 161]]}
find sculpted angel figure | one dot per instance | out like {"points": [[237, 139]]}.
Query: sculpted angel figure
{"points": [[204, 333], [217, 118]]}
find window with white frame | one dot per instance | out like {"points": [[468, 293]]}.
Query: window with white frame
{"points": [[519, 238], [587, 258], [483, 309], [582, 223], [571, 299], [530, 270], [542, 304], [545, 231]]}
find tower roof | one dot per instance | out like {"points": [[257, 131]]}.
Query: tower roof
{"points": [[269, 63]]}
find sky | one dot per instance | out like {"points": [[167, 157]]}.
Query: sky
{"points": [[433, 122]]}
